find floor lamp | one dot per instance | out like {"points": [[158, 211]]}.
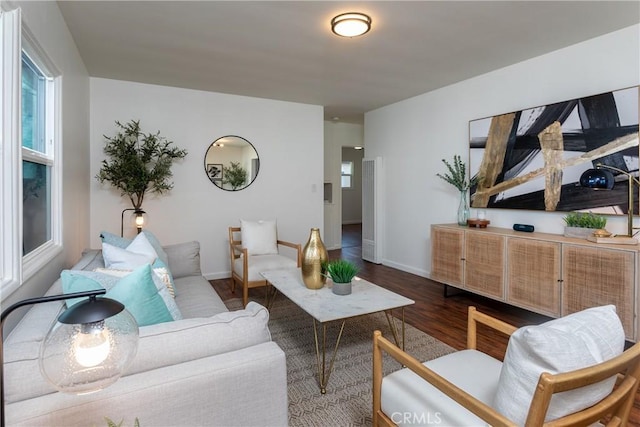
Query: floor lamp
{"points": [[95, 340], [139, 213], [601, 178]]}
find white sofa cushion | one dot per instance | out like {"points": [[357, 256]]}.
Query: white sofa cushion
{"points": [[409, 400], [259, 237], [576, 341]]}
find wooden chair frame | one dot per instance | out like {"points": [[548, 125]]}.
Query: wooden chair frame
{"points": [[236, 251], [616, 405]]}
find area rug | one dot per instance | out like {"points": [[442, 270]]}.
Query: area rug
{"points": [[347, 401]]}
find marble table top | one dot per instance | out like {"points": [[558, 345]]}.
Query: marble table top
{"points": [[325, 306]]}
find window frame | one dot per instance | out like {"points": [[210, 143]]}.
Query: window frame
{"points": [[14, 267], [350, 175]]}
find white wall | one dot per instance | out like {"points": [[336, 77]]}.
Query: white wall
{"points": [[435, 126], [44, 21], [287, 136]]}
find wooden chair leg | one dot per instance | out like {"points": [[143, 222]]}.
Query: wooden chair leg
{"points": [[245, 294]]}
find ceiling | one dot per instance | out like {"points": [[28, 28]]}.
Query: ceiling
{"points": [[285, 50]]}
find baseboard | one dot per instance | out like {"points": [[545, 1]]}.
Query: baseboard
{"points": [[407, 269], [217, 275], [353, 221]]}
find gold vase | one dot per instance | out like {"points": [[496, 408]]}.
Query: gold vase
{"points": [[314, 255]]}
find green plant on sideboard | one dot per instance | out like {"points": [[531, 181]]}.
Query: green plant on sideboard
{"points": [[585, 220], [456, 174]]}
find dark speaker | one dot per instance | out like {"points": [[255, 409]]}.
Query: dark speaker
{"points": [[523, 227]]}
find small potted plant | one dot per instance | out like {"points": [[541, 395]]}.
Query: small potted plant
{"points": [[583, 224], [341, 273]]}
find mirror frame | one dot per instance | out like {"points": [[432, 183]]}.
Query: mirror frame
{"points": [[219, 182]]}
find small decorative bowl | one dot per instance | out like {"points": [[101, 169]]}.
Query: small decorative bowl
{"points": [[479, 223], [601, 233]]}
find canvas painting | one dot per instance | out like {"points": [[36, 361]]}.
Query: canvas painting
{"points": [[533, 159]]}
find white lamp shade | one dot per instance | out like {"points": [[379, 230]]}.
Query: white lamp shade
{"points": [[82, 358]]}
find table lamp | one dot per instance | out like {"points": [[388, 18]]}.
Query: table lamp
{"points": [[600, 178], [89, 347]]}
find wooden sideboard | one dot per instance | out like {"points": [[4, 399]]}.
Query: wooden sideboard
{"points": [[545, 273]]}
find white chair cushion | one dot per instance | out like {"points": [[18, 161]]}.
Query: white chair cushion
{"points": [[576, 341], [260, 263], [409, 400], [259, 237]]}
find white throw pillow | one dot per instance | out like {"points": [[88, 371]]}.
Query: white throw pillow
{"points": [[259, 237], [576, 341], [122, 259], [142, 245], [138, 253]]}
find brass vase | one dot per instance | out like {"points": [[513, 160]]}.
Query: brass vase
{"points": [[314, 255]]}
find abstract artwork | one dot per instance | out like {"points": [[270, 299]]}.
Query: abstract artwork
{"points": [[533, 159]]}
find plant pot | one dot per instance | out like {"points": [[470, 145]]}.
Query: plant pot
{"points": [[578, 232], [341, 288]]}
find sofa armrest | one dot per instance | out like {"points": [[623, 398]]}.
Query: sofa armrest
{"points": [[247, 387]]}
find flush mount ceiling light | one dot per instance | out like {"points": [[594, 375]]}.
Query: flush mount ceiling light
{"points": [[351, 24]]}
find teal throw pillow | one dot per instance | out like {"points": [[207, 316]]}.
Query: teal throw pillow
{"points": [[137, 291], [114, 240], [72, 282]]}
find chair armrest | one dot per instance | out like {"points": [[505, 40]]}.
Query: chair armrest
{"points": [[476, 317], [480, 409], [295, 246]]}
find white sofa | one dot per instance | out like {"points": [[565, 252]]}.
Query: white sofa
{"points": [[214, 367]]}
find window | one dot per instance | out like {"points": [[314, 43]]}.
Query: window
{"points": [[37, 157], [347, 175], [30, 178]]}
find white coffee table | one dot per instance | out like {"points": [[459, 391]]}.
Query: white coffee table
{"points": [[324, 306]]}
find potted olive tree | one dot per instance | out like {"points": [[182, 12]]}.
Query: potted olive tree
{"points": [[138, 162], [341, 273]]}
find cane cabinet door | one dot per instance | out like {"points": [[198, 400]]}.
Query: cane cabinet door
{"points": [[533, 275], [594, 276], [484, 263], [447, 258]]}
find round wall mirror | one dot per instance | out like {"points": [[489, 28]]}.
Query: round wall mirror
{"points": [[231, 163]]}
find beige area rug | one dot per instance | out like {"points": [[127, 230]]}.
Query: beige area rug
{"points": [[348, 398]]}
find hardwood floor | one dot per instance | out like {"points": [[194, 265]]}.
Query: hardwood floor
{"points": [[444, 318]]}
